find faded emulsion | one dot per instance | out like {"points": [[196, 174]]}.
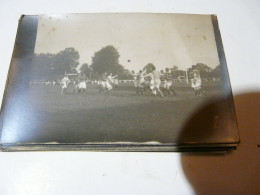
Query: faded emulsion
{"points": [[121, 85]]}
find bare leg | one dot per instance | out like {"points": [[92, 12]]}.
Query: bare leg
{"points": [[173, 91], [142, 91], [160, 92], [83, 91]]}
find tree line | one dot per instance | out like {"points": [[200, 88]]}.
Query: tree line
{"points": [[53, 66]]}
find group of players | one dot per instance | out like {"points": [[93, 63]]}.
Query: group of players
{"points": [[80, 84], [152, 83], [157, 83]]}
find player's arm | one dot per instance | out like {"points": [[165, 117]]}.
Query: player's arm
{"points": [[114, 76], [147, 75]]}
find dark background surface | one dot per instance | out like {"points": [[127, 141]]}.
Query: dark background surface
{"points": [[237, 172]]}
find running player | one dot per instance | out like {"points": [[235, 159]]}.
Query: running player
{"points": [[196, 84], [106, 82], [82, 83], [139, 81], [167, 84], [135, 77], [155, 81], [64, 84], [116, 82], [109, 81]]}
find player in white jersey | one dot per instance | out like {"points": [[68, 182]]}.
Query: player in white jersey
{"points": [[109, 81], [196, 85], [116, 82], [155, 81], [167, 84], [81, 84], [64, 84], [135, 77], [102, 83], [139, 81], [106, 82]]}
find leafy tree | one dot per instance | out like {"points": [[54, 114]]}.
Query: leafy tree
{"points": [[94, 76], [106, 60], [66, 61], [176, 73], [126, 74], [202, 67], [174, 68], [217, 72], [42, 66], [51, 66], [119, 70], [205, 70], [85, 68]]}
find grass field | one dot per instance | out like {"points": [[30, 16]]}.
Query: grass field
{"points": [[119, 116]]}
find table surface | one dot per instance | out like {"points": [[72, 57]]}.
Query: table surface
{"points": [[147, 173]]}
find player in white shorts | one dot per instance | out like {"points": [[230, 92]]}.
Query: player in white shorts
{"points": [[139, 81], [64, 84], [109, 81], [156, 81], [167, 84], [135, 77], [116, 83], [102, 83], [196, 84], [106, 82], [81, 84]]}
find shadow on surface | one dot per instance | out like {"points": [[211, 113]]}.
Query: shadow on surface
{"points": [[237, 172]]}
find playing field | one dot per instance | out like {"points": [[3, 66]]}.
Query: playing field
{"points": [[121, 115]]}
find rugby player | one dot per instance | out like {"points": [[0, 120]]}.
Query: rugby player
{"points": [[196, 84], [155, 81], [64, 84]]}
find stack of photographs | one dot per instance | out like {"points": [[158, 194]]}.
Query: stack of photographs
{"points": [[118, 82]]}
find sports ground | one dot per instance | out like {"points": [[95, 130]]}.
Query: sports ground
{"points": [[120, 116]]}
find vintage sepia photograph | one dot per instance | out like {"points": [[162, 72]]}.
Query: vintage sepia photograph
{"points": [[120, 81]]}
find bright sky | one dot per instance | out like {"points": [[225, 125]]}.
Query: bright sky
{"points": [[162, 39]]}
